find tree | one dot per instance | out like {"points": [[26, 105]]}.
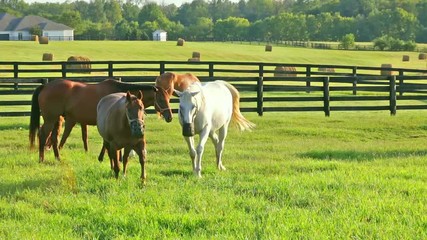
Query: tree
{"points": [[347, 41], [201, 30], [72, 19], [113, 11], [188, 13], [231, 28], [36, 30]]}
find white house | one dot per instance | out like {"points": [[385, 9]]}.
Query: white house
{"points": [[160, 35], [14, 28]]}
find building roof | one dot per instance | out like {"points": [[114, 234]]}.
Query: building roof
{"points": [[12, 23], [159, 31]]}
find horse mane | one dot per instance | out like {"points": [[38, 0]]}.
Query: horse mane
{"points": [[121, 86]]}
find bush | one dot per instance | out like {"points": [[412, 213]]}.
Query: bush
{"points": [[389, 43], [347, 41]]}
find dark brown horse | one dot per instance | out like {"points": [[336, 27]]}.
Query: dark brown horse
{"points": [[120, 122], [169, 82], [77, 103]]}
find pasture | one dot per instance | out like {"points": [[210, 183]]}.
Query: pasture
{"points": [[354, 175], [157, 51], [359, 175]]}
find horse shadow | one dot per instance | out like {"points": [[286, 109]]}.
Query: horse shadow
{"points": [[34, 184], [13, 126], [180, 173], [359, 156]]}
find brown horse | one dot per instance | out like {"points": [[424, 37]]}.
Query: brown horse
{"points": [[120, 122], [172, 81], [77, 103]]}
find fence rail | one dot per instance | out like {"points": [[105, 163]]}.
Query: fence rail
{"points": [[306, 87]]}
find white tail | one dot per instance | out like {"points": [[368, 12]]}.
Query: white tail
{"points": [[238, 119]]}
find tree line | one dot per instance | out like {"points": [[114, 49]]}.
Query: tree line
{"points": [[223, 20]]}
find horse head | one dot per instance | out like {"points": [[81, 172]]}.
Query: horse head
{"points": [[188, 109], [135, 114], [161, 104]]}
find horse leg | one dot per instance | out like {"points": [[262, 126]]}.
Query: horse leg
{"points": [[103, 148], [204, 135], [54, 138], [125, 159], [218, 150], [69, 124], [219, 147], [114, 155], [84, 136], [44, 133], [142, 154], [192, 150]]}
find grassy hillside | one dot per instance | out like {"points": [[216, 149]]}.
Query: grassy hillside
{"points": [[148, 50]]}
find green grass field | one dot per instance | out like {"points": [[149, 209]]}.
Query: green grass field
{"points": [[354, 175], [297, 175], [157, 51]]}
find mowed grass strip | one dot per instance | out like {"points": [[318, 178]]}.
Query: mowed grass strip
{"points": [[360, 175]]}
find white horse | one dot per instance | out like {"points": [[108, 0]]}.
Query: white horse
{"points": [[204, 110]]}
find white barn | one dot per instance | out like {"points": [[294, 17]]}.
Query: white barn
{"points": [[160, 35], [17, 29]]}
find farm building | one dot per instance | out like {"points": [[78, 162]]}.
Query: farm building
{"points": [[17, 29], [160, 35]]}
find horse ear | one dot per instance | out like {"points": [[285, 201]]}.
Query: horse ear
{"points": [[128, 98], [194, 93], [140, 95], [178, 93]]}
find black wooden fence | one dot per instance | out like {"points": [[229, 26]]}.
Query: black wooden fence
{"points": [[264, 88]]}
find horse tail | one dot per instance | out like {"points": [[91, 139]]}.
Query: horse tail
{"points": [[35, 115], [240, 121]]}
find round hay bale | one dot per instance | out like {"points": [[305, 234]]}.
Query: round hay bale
{"points": [[35, 38], [282, 71], [43, 40], [86, 66], [405, 58], [180, 42], [194, 59], [196, 55], [387, 72], [268, 48], [422, 56], [47, 57]]}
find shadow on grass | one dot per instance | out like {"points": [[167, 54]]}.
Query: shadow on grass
{"points": [[170, 173], [13, 126], [360, 156], [33, 184]]}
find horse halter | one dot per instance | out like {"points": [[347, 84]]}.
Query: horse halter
{"points": [[156, 104]]}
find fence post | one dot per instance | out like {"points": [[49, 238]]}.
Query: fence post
{"points": [[110, 69], [64, 70], [15, 70], [400, 82], [162, 68], [45, 81], [355, 80], [308, 74], [211, 70], [326, 97], [393, 95], [260, 91]]}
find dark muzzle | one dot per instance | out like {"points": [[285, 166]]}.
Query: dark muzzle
{"points": [[136, 129], [188, 129]]}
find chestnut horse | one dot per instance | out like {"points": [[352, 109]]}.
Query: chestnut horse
{"points": [[120, 122], [77, 103], [170, 82]]}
